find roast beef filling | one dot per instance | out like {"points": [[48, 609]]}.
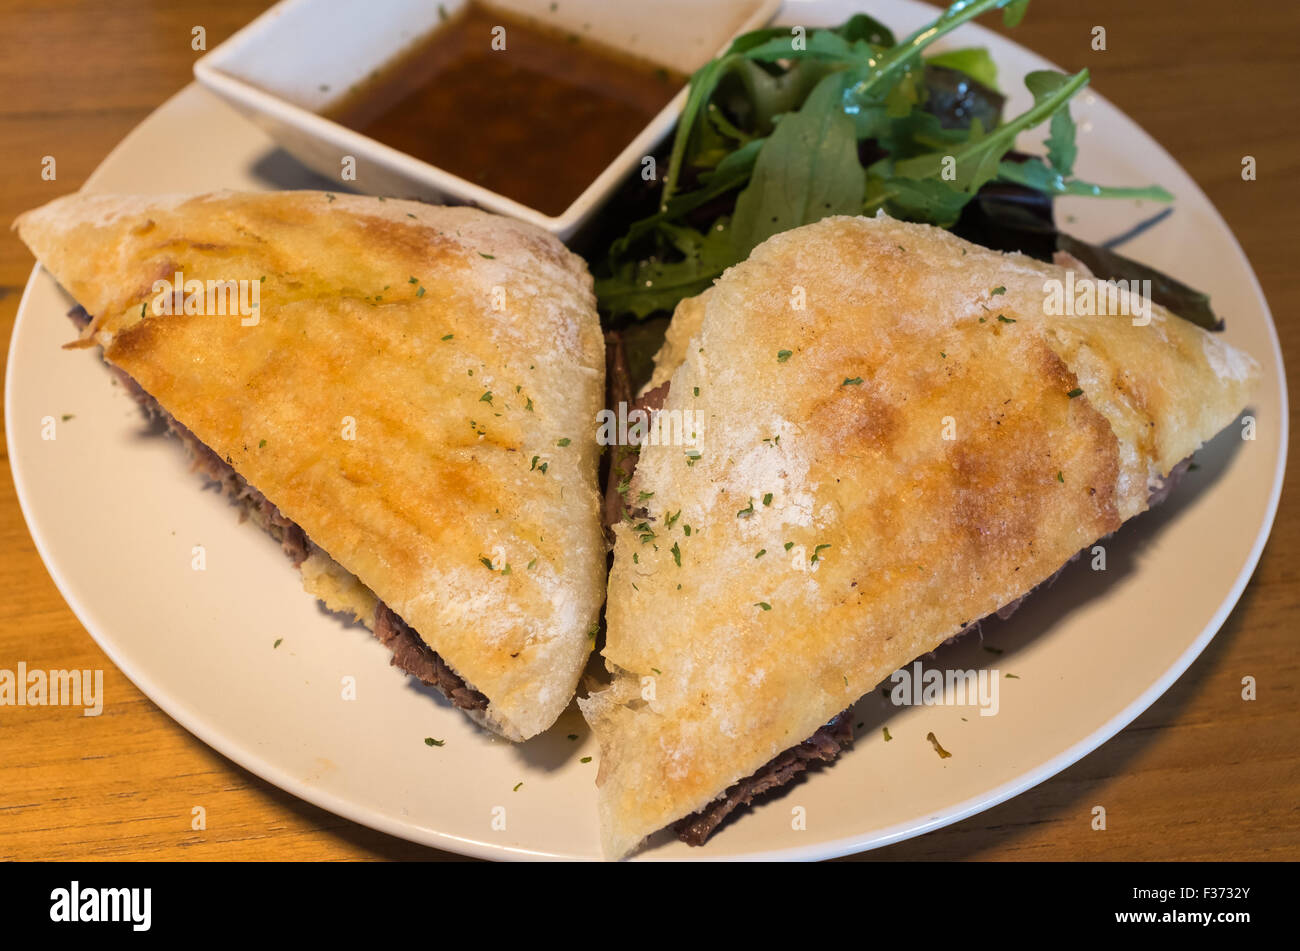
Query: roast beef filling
{"points": [[410, 653], [823, 746], [419, 660]]}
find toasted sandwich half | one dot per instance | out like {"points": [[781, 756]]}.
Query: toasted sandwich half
{"points": [[402, 394], [895, 438]]}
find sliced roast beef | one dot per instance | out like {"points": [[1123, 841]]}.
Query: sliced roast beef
{"points": [[823, 746], [622, 461], [415, 657]]}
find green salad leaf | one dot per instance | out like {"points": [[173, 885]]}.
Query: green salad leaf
{"points": [[791, 125], [807, 169], [974, 62]]}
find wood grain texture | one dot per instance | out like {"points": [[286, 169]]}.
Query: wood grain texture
{"points": [[1201, 775]]}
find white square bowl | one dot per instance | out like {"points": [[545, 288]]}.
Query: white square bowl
{"points": [[301, 56]]}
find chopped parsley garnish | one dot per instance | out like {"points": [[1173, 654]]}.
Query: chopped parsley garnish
{"points": [[761, 553], [855, 381], [486, 397], [817, 552], [993, 650], [677, 554], [657, 671], [763, 604], [693, 456], [642, 496], [747, 511], [885, 730], [789, 545], [686, 530], [1005, 319], [1014, 676], [412, 280], [573, 736], [997, 291], [671, 520], [448, 337], [278, 642], [585, 759], [485, 562], [261, 444], [532, 564], [1074, 392], [783, 355], [563, 442], [490, 257], [1059, 476], [767, 498], [517, 785], [430, 741], [697, 391], [420, 292]]}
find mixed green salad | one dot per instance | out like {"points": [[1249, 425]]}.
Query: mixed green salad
{"points": [[791, 125]]}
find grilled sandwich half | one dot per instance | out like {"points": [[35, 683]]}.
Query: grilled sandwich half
{"points": [[402, 394], [896, 437]]}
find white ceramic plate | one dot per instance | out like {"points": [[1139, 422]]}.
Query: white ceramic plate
{"points": [[115, 515]]}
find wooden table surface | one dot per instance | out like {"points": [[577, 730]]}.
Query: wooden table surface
{"points": [[1201, 775]]}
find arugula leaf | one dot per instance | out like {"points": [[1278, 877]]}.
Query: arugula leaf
{"points": [[818, 44], [1034, 173], [1014, 13], [808, 169], [977, 162], [866, 28], [1061, 148], [701, 87], [974, 61], [915, 199], [644, 287], [732, 172]]}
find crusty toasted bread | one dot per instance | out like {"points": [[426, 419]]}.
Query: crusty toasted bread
{"points": [[415, 389]]}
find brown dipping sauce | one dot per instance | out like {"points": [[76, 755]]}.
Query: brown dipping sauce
{"points": [[536, 122]]}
